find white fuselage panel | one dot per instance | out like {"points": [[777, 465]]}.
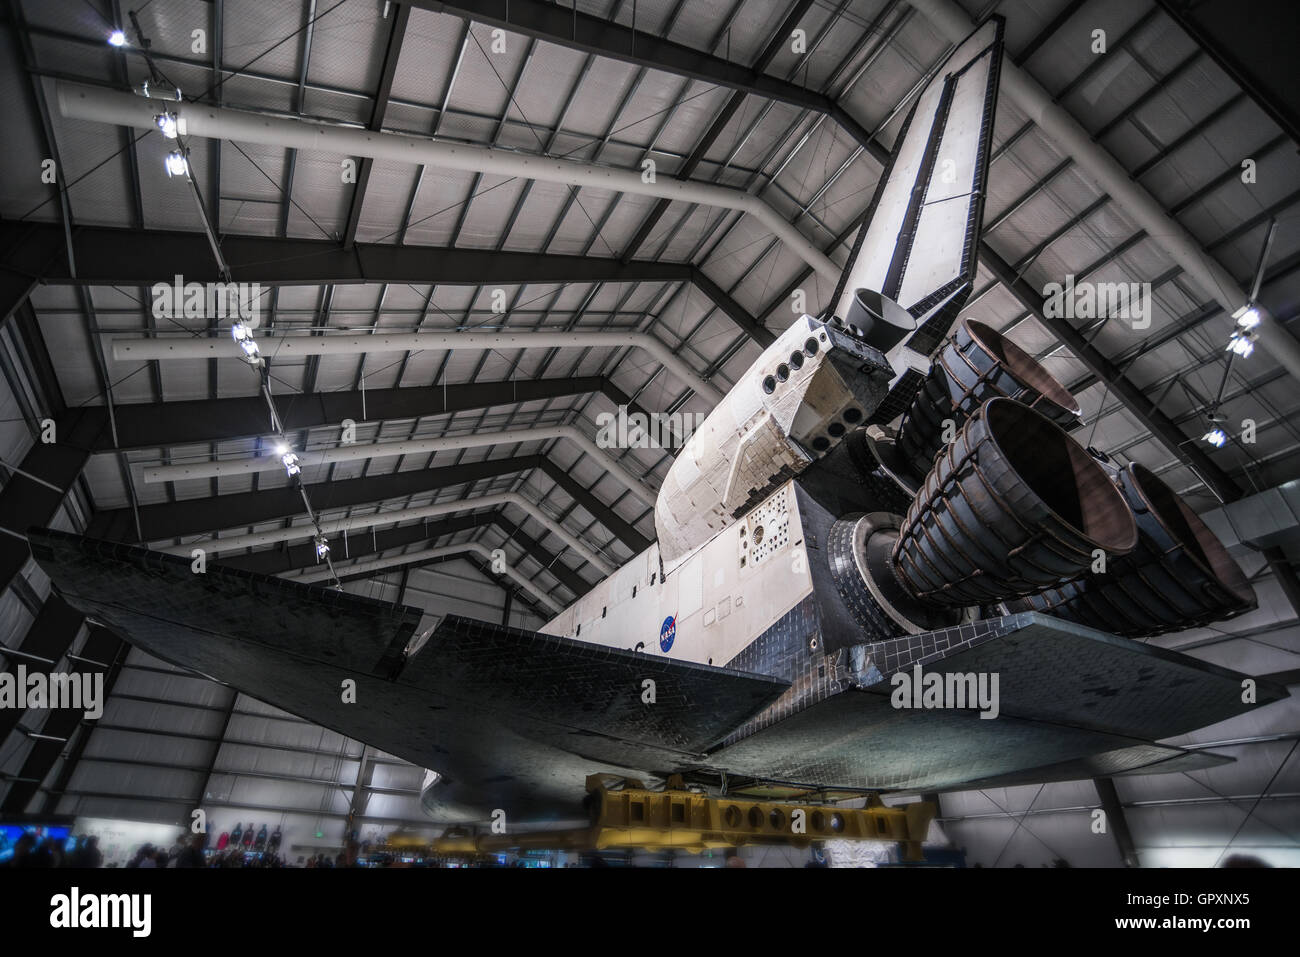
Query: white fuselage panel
{"points": [[721, 598]]}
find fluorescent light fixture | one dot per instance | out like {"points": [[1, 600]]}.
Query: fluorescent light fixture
{"points": [[177, 164], [1216, 437], [117, 38], [166, 123]]}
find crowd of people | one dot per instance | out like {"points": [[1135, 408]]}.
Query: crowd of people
{"points": [[31, 852], [47, 852]]}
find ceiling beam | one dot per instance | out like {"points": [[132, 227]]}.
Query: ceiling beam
{"points": [[569, 27], [166, 520], [401, 13], [277, 561], [161, 424], [1204, 23], [718, 126], [35, 253]]}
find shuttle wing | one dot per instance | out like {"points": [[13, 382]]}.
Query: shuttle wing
{"points": [[1072, 702], [509, 718]]}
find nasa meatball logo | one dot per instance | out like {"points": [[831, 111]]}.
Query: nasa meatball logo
{"points": [[667, 632]]}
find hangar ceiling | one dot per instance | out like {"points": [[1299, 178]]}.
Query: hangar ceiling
{"points": [[709, 91]]}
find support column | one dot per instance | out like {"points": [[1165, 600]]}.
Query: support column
{"points": [[1116, 823]]}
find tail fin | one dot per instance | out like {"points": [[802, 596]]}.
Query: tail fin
{"points": [[918, 244]]}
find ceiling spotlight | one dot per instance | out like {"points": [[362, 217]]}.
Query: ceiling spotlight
{"points": [[251, 350], [1216, 437], [1247, 317], [322, 547], [239, 331], [290, 462], [281, 448], [166, 123], [1242, 344], [177, 164], [117, 38]]}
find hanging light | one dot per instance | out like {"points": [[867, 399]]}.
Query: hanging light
{"points": [[1242, 343], [166, 123], [322, 547], [117, 39], [1247, 317], [290, 462], [1216, 437], [177, 164], [240, 331]]}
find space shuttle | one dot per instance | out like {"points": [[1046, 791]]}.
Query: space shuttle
{"points": [[882, 565]]}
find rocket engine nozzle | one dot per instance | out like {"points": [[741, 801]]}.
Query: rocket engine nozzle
{"points": [[976, 364], [1012, 506], [1179, 575]]}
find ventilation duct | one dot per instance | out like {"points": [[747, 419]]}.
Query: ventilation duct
{"points": [[80, 102], [160, 349]]}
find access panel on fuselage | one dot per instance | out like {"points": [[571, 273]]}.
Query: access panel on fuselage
{"points": [[719, 600]]}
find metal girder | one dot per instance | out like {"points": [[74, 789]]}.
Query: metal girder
{"points": [[155, 424], [33, 495], [34, 253], [718, 125], [200, 516], [48, 639], [392, 53], [1205, 25], [746, 323], [569, 27], [30, 251], [512, 591], [280, 560], [1116, 821], [142, 257], [100, 645]]}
